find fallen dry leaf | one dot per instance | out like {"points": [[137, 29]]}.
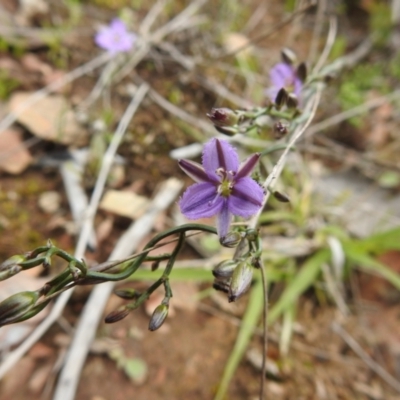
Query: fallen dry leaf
{"points": [[50, 118], [126, 204], [14, 157]]}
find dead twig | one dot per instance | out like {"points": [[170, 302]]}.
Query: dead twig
{"points": [[354, 345]]}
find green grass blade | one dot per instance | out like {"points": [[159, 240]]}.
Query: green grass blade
{"points": [[300, 283], [249, 323]]}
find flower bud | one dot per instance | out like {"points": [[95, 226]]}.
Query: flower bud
{"points": [[225, 269], [155, 264], [301, 72], [15, 306], [231, 239], [280, 130], [159, 316], [282, 197], [241, 280], [12, 262], [288, 56], [281, 98], [223, 117], [226, 130], [222, 284], [117, 315], [127, 294], [292, 101]]}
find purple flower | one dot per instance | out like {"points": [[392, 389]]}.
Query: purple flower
{"points": [[115, 38], [224, 187], [284, 75]]}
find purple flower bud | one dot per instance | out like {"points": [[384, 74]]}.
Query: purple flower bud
{"points": [[225, 269], [241, 280], [280, 130], [223, 117], [15, 306], [159, 316], [117, 315], [231, 239]]}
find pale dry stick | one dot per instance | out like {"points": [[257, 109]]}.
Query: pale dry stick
{"points": [[270, 32], [353, 112], [61, 302], [257, 17], [349, 60], [180, 22], [87, 326], [354, 345], [151, 17], [317, 31], [330, 41], [59, 83], [297, 26], [222, 91], [104, 78], [200, 124]]}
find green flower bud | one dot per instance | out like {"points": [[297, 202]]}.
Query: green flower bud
{"points": [[117, 315], [159, 316], [12, 262], [241, 279], [225, 269], [127, 294], [231, 239], [15, 306]]}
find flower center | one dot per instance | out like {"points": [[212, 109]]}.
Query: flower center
{"points": [[227, 181]]}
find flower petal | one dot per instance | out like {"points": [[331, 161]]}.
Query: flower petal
{"points": [[247, 166], [219, 154], [224, 219], [201, 201], [281, 75], [246, 198], [194, 170]]}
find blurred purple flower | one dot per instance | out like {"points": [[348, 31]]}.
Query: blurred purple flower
{"points": [[283, 75], [115, 38], [224, 187]]}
